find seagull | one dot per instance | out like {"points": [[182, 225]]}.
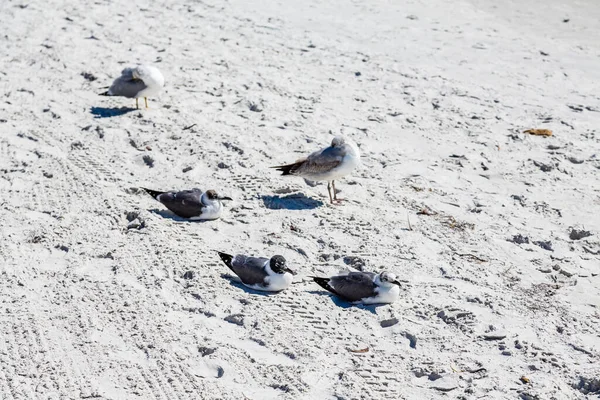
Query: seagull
{"points": [[328, 164], [363, 287], [140, 81], [259, 273], [192, 204]]}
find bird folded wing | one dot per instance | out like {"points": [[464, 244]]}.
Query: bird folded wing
{"points": [[126, 87], [250, 269], [186, 203], [317, 163], [354, 286]]}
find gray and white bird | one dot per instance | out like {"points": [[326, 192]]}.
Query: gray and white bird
{"points": [[259, 273], [141, 81], [363, 287], [192, 204], [328, 164]]}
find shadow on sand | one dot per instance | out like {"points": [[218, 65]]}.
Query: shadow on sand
{"points": [[372, 308], [170, 215], [296, 201], [105, 112]]}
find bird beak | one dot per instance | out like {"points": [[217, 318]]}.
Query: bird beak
{"points": [[396, 283], [286, 269], [225, 198]]}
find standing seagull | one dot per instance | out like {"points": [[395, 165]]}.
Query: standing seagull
{"points": [[363, 287], [259, 273], [141, 81], [328, 164], [192, 204]]}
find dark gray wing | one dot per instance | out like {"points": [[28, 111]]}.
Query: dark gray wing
{"points": [[185, 203], [250, 269], [126, 85], [319, 162], [354, 286]]}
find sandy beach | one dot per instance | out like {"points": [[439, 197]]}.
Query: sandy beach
{"points": [[493, 232]]}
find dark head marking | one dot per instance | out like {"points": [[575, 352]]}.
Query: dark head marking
{"points": [[212, 195], [278, 265]]}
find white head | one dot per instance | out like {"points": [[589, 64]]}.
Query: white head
{"points": [[386, 279], [211, 197], [338, 141], [149, 74], [349, 145]]}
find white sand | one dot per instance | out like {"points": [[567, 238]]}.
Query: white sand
{"points": [[91, 309]]}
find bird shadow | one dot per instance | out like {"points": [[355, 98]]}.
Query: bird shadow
{"points": [[372, 308], [296, 201], [173, 217], [109, 112], [235, 282]]}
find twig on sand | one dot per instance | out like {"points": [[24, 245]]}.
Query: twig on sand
{"points": [[474, 371], [539, 132], [365, 350], [506, 270], [581, 349], [189, 127], [472, 256]]}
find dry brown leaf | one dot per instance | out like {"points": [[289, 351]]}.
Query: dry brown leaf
{"points": [[539, 132], [366, 349]]}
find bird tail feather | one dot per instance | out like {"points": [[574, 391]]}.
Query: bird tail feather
{"points": [[153, 193], [287, 169], [227, 259], [323, 282]]}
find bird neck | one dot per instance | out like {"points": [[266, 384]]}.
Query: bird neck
{"points": [[377, 280], [353, 149], [268, 269], [209, 202]]}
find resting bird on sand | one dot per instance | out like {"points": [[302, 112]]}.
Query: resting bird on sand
{"points": [[363, 287], [259, 273], [328, 164], [141, 81], [192, 204]]}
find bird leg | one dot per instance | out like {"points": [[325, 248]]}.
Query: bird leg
{"points": [[146, 100], [335, 194], [136, 104], [329, 191]]}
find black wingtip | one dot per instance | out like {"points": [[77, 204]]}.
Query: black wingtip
{"points": [[153, 193], [285, 169], [227, 258], [323, 282]]}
